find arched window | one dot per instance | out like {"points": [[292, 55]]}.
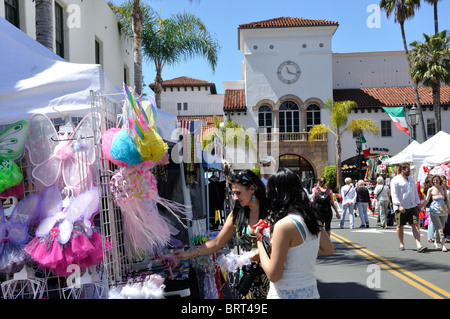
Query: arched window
{"points": [[265, 119], [289, 117], [312, 116]]}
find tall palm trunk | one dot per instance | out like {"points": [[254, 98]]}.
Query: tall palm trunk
{"points": [[416, 91], [158, 88], [436, 25], [44, 22], [437, 105], [137, 54]]}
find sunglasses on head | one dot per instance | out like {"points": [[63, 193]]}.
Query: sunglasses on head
{"points": [[241, 177]]}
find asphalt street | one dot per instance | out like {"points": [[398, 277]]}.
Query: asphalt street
{"points": [[367, 264]]}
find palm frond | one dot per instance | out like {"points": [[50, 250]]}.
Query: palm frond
{"points": [[318, 131]]}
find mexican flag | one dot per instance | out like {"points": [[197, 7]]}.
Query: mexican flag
{"points": [[397, 115], [365, 147]]}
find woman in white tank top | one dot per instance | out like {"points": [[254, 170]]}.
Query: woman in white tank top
{"points": [[297, 238]]}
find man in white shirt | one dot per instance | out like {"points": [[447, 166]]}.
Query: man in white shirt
{"points": [[267, 168], [348, 195], [405, 199]]}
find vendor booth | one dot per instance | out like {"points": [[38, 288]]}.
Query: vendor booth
{"points": [[95, 210]]}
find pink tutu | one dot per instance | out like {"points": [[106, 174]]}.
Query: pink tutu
{"points": [[47, 252], [80, 250]]}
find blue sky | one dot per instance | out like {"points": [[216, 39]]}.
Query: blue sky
{"points": [[353, 34]]}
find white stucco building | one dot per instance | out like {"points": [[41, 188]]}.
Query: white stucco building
{"points": [[84, 32], [289, 69]]}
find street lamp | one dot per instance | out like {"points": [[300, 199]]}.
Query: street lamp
{"points": [[359, 148], [414, 119]]}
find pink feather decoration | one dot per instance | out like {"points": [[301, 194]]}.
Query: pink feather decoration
{"points": [[135, 192]]}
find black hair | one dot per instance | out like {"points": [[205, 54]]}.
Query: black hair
{"points": [[241, 214], [285, 189]]}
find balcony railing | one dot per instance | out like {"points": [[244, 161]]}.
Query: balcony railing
{"points": [[290, 137]]}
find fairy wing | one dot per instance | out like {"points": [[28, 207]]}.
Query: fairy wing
{"points": [[84, 205], [12, 140], [26, 210], [39, 141], [42, 142], [84, 134], [75, 169], [51, 202], [65, 231]]}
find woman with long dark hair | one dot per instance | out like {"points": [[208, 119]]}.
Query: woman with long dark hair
{"points": [[250, 206], [298, 236]]}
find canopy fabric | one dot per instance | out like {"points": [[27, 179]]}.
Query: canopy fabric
{"points": [[436, 150], [33, 79], [406, 155]]}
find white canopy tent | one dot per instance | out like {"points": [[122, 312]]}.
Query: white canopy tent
{"points": [[440, 149], [33, 79], [406, 155], [436, 146]]}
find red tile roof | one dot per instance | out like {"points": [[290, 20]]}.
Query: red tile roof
{"points": [[234, 101], [185, 81], [390, 96], [288, 22]]}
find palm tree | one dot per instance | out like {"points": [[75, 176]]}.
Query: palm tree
{"points": [[339, 112], [131, 19], [434, 3], [44, 22], [182, 36], [430, 64], [137, 22], [404, 10]]}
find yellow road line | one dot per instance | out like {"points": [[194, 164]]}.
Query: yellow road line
{"points": [[394, 269]]}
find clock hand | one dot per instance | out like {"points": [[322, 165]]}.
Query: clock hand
{"points": [[288, 71]]}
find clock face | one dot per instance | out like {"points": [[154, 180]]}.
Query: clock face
{"points": [[288, 72]]}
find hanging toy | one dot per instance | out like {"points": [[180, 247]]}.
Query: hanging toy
{"points": [[66, 236], [135, 192]]}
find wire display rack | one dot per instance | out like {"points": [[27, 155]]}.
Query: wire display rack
{"points": [[34, 282], [116, 264]]}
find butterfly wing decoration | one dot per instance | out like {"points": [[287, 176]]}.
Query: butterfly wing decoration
{"points": [[84, 205], [12, 140], [24, 212], [55, 157], [41, 147], [75, 169], [51, 211], [16, 229]]}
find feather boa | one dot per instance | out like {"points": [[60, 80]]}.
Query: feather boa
{"points": [[135, 191]]}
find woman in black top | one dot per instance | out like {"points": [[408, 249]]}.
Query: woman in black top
{"points": [[362, 200]]}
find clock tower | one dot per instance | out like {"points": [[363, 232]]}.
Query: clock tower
{"points": [[287, 76]]}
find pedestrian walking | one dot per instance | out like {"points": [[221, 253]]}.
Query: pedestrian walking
{"points": [[382, 196], [362, 200], [348, 195], [405, 199], [439, 209], [298, 236], [323, 199]]}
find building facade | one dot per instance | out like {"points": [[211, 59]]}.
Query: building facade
{"points": [[290, 70], [84, 32]]}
